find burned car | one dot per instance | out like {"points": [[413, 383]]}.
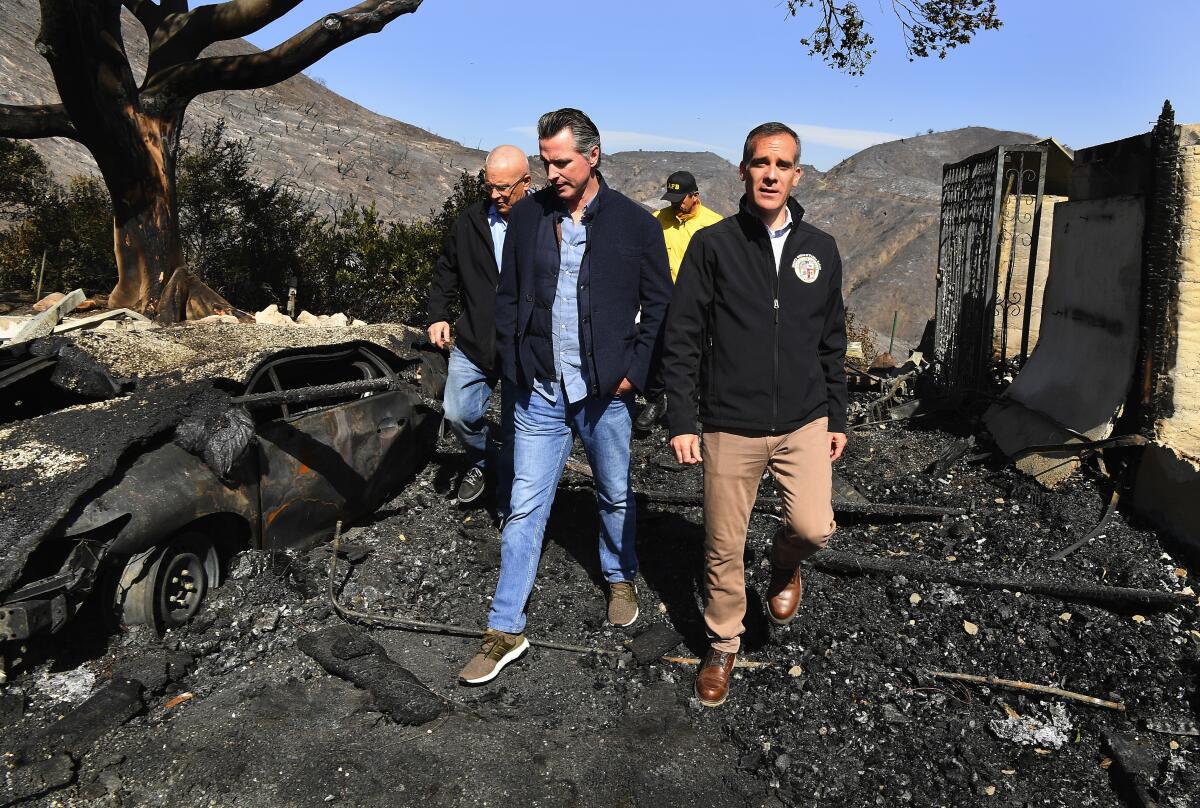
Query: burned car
{"points": [[181, 446]]}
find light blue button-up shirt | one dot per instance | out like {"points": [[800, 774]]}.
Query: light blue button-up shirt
{"points": [[499, 227], [569, 371]]}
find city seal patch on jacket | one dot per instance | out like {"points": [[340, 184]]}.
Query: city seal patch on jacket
{"points": [[807, 267]]}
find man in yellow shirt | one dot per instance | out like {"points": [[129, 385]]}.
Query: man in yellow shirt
{"points": [[683, 217], [680, 221]]}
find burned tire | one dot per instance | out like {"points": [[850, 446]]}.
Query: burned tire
{"points": [[165, 586]]}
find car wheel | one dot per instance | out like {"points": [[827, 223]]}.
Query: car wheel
{"points": [[165, 586]]}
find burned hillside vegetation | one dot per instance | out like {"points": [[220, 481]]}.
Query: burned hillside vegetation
{"points": [[318, 675]]}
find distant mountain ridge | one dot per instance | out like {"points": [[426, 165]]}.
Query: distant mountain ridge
{"points": [[881, 203]]}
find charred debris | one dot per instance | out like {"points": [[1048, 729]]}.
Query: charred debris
{"points": [[1001, 617], [950, 651]]}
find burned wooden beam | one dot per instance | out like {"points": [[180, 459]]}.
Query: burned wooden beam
{"points": [[840, 563], [848, 505], [351, 654]]}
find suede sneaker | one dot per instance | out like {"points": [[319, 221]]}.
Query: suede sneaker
{"points": [[622, 603], [472, 485], [497, 650]]}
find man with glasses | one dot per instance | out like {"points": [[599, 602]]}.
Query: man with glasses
{"points": [[579, 263], [469, 270]]}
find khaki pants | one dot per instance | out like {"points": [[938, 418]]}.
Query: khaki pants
{"points": [[733, 468]]}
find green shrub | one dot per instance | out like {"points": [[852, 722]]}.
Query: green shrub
{"points": [[246, 238]]}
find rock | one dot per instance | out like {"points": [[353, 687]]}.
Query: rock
{"points": [[243, 565], [783, 762], [655, 641], [357, 322], [48, 301], [271, 315], [218, 318], [339, 320], [349, 653], [892, 715], [268, 621], [308, 320], [87, 305]]}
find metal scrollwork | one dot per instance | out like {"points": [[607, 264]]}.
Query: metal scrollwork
{"points": [[973, 290]]}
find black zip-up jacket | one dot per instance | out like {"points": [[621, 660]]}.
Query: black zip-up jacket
{"points": [[467, 269], [774, 358]]}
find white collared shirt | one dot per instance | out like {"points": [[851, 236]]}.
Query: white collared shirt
{"points": [[778, 237]]}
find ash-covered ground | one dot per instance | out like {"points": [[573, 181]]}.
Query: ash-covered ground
{"points": [[233, 712]]}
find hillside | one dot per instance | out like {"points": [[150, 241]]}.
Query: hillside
{"points": [[881, 204], [329, 148]]}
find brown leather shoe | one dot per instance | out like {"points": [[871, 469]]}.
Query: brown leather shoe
{"points": [[783, 595], [712, 682]]}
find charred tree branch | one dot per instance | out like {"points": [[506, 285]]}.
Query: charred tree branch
{"points": [[840, 563], [147, 12], [41, 120], [255, 70], [239, 18]]}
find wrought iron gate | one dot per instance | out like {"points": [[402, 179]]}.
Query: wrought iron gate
{"points": [[971, 285]]}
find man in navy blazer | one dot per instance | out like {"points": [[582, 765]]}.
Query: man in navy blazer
{"points": [[580, 262]]}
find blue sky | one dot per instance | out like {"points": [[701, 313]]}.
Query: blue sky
{"points": [[696, 76]]}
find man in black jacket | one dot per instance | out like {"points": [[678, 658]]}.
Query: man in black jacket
{"points": [[768, 287], [580, 261], [469, 269]]}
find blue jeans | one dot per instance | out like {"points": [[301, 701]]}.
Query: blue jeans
{"points": [[465, 402], [544, 435]]}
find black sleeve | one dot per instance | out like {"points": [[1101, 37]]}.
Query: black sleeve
{"points": [[443, 290], [682, 344], [832, 349], [654, 293], [506, 302]]}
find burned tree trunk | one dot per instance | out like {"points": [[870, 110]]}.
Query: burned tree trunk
{"points": [[133, 131], [141, 179]]}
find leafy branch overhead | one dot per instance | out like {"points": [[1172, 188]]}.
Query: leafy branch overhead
{"points": [[929, 27]]}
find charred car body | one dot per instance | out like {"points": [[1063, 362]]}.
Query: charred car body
{"points": [[197, 441]]}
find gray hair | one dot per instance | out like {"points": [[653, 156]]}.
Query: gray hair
{"points": [[769, 129], [582, 129]]}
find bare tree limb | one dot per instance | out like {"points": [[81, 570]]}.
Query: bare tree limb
{"points": [[184, 35], [148, 13], [251, 71], [34, 121], [239, 18]]}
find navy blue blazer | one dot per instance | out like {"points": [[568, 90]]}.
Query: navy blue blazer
{"points": [[624, 269]]}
